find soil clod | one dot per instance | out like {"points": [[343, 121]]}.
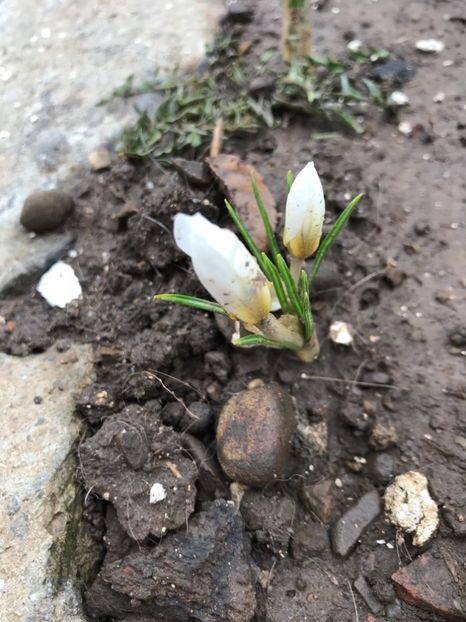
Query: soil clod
{"points": [[123, 461], [203, 573]]}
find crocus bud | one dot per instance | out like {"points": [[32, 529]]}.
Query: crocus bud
{"points": [[305, 211], [225, 268]]}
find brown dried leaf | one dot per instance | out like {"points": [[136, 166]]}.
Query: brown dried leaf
{"points": [[234, 177]]}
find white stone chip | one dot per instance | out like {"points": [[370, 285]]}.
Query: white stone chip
{"points": [[341, 333], [59, 285], [430, 46], [405, 128], [398, 98], [409, 506], [157, 493]]}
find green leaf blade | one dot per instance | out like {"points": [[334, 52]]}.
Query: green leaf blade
{"points": [[307, 315], [274, 276], [290, 285], [251, 341], [332, 234], [192, 301], [273, 246]]}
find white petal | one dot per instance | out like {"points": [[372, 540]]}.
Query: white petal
{"points": [[59, 285], [225, 267], [305, 211]]}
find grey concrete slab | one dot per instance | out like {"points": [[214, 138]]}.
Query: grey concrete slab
{"points": [[58, 59]]}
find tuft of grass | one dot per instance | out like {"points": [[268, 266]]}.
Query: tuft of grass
{"points": [[319, 88]]}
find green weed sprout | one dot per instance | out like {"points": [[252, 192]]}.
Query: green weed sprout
{"points": [[267, 297]]}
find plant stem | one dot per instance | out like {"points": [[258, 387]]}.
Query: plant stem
{"points": [[296, 265], [297, 29], [310, 350]]}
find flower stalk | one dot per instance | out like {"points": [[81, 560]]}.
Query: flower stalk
{"points": [[265, 295]]}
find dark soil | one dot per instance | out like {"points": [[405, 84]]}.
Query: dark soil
{"points": [[393, 402]]}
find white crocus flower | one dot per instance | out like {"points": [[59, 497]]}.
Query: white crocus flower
{"points": [[305, 211], [225, 268]]}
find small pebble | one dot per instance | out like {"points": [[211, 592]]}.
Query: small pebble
{"points": [[46, 210], [349, 528], [380, 468], [319, 499], [100, 159], [398, 98], [383, 435], [430, 46], [405, 128], [341, 333]]}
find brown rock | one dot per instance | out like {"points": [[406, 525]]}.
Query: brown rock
{"points": [[46, 210], [433, 584], [254, 432], [319, 500], [234, 176]]}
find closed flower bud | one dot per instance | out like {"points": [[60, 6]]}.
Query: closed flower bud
{"points": [[305, 211]]}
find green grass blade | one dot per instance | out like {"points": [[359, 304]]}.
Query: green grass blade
{"points": [[332, 234], [289, 181], [307, 315], [274, 276], [192, 301], [290, 285], [273, 246], [246, 237]]}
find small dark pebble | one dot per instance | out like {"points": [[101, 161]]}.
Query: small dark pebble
{"points": [[366, 594], [319, 499], [457, 336], [46, 210], [38, 399], [195, 172], [380, 468], [211, 481], [309, 539], [198, 419], [376, 377], [355, 416], [395, 71], [172, 413], [393, 276], [349, 528], [422, 228]]}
